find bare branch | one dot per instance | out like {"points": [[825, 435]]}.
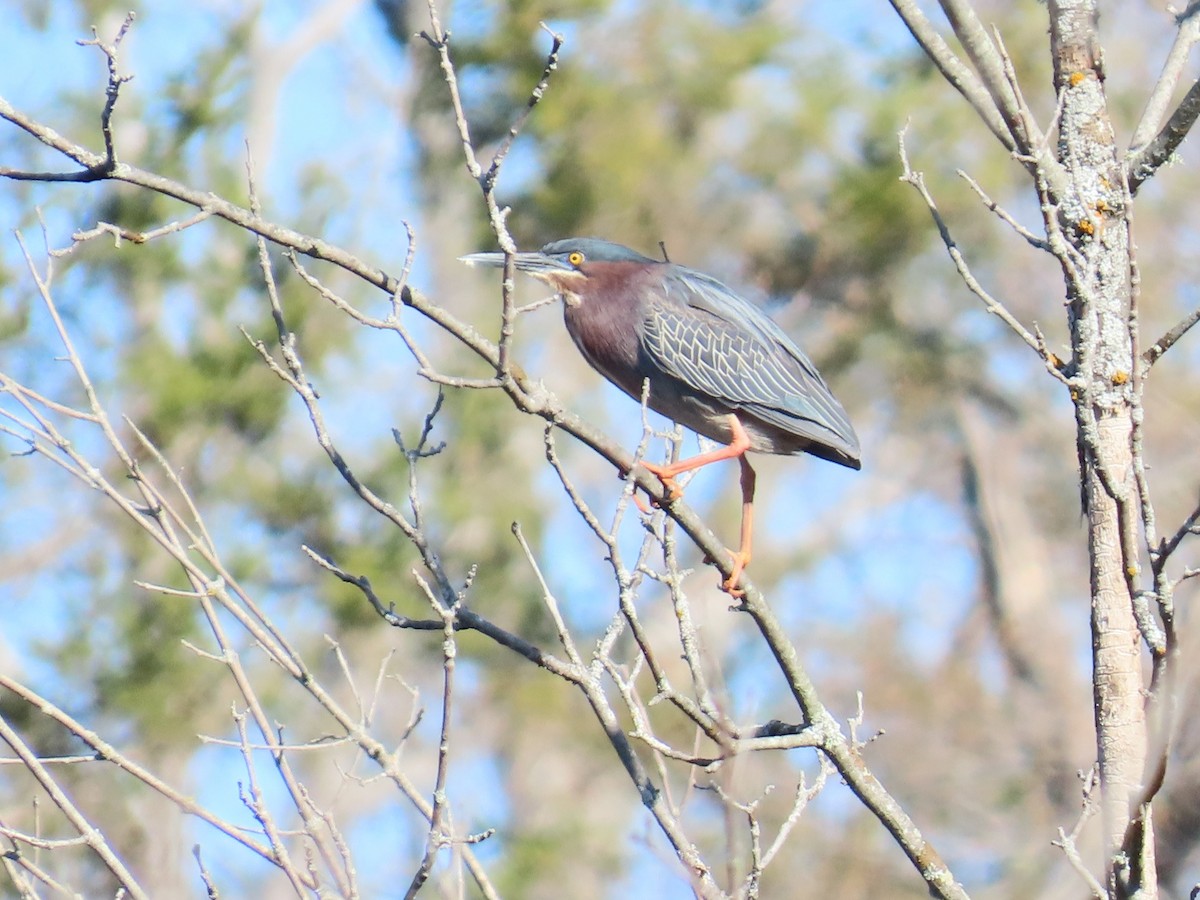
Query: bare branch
{"points": [[1032, 239], [1186, 36], [1067, 840], [1154, 352], [17, 863], [439, 835], [1191, 526], [956, 73], [89, 834], [1154, 143], [994, 306], [1142, 164], [990, 66], [102, 167], [539, 91], [548, 598], [120, 234], [804, 796], [254, 803]]}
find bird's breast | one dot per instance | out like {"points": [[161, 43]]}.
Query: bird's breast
{"points": [[609, 339]]}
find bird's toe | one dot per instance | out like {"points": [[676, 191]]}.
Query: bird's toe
{"points": [[741, 559]]}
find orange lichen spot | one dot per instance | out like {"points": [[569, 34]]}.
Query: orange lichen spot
{"points": [[1076, 78], [1132, 570], [1085, 226], [1101, 206], [1120, 377]]}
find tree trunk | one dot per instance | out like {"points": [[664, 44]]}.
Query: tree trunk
{"points": [[1094, 220]]}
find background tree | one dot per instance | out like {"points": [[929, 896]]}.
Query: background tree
{"points": [[156, 577]]}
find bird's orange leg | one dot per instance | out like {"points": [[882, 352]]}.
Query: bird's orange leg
{"points": [[741, 558], [666, 474], [736, 449]]}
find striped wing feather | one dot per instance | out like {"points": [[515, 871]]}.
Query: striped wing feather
{"points": [[707, 336]]}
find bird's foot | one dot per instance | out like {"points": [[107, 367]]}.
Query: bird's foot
{"points": [[642, 505], [741, 559], [672, 490]]}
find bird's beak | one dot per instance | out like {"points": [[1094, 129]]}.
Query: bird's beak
{"points": [[539, 265]]}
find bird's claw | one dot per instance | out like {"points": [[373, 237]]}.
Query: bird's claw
{"points": [[672, 490], [643, 507], [741, 559]]}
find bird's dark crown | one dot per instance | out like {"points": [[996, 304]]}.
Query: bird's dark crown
{"points": [[594, 250]]}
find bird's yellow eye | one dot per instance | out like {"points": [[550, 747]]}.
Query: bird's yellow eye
{"points": [[574, 257]]}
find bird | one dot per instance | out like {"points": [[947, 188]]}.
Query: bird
{"points": [[709, 359]]}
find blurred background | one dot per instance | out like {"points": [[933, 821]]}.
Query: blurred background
{"points": [[757, 141]]}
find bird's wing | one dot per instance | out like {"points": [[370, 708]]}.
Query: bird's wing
{"points": [[707, 336]]}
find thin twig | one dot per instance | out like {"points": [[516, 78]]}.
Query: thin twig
{"points": [[89, 833], [1159, 101], [994, 306], [1154, 142], [1067, 840], [1154, 352], [1143, 164], [120, 233], [986, 58], [1038, 243], [210, 887], [956, 73], [548, 598], [439, 835]]}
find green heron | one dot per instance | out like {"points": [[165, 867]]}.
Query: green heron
{"points": [[713, 362]]}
